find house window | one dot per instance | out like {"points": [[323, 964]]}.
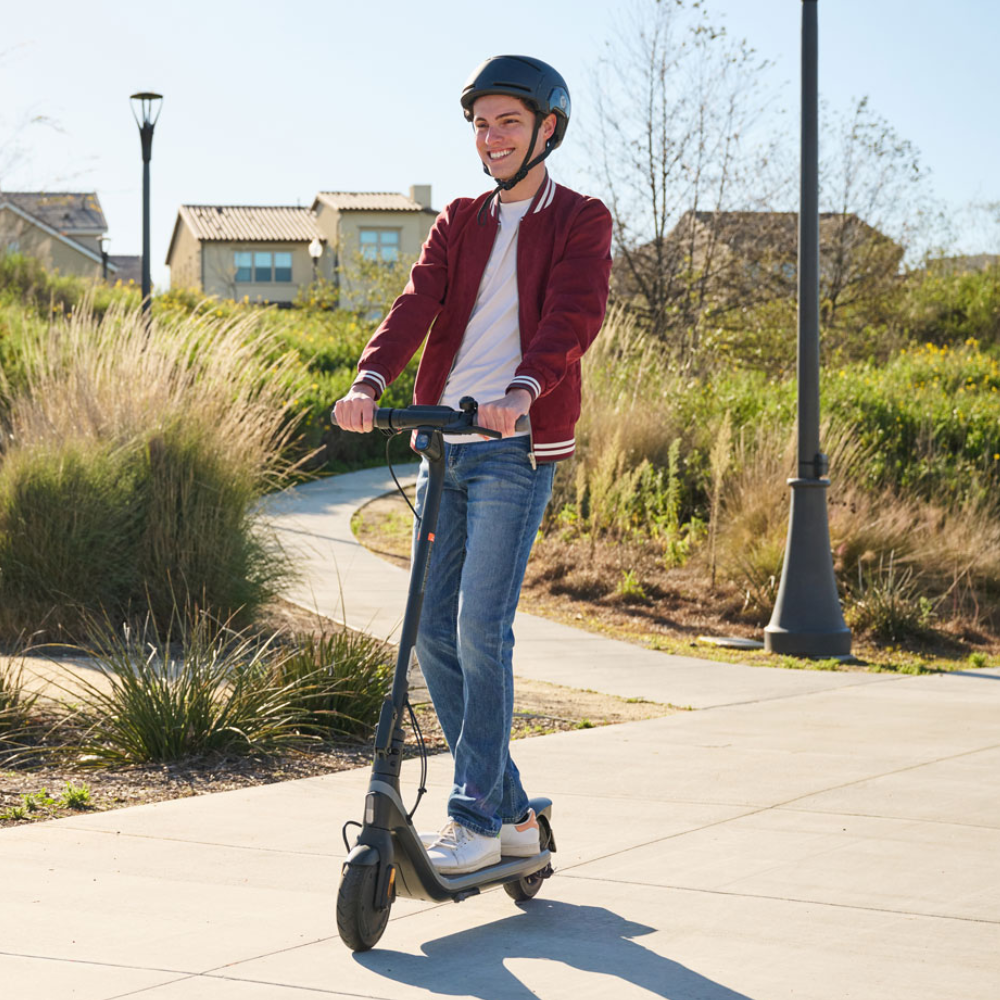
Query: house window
{"points": [[282, 267], [380, 244], [261, 265], [242, 261]]}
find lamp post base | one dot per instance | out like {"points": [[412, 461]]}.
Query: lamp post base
{"points": [[807, 620]]}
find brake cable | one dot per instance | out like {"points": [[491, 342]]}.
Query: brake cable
{"points": [[389, 435], [422, 789]]}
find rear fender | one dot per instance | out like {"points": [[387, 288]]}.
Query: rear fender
{"points": [[543, 810]]}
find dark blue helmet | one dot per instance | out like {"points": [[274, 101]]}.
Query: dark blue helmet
{"points": [[533, 81]]}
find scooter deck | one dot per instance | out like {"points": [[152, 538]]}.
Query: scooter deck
{"points": [[433, 886]]}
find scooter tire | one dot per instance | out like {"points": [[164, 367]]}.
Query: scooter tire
{"points": [[359, 923]]}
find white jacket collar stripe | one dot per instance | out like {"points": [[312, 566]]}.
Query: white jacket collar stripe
{"points": [[546, 195]]}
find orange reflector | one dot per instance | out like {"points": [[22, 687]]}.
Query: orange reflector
{"points": [[430, 536], [392, 877]]}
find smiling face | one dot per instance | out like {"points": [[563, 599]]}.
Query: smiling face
{"points": [[503, 131]]}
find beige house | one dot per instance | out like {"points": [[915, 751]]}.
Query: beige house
{"points": [[263, 252], [737, 259], [377, 226], [233, 251], [63, 230]]}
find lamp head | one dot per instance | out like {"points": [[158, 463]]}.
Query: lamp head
{"points": [[147, 110]]}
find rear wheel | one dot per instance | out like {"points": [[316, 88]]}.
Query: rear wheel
{"points": [[360, 924], [527, 888]]}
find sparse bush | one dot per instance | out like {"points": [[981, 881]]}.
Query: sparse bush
{"points": [[75, 796], [340, 680], [630, 588], [189, 689], [887, 602], [16, 704]]}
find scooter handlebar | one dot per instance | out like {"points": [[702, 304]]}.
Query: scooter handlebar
{"points": [[442, 418]]}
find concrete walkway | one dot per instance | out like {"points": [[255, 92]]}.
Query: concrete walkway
{"points": [[803, 835]]}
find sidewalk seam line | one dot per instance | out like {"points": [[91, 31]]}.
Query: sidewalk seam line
{"points": [[776, 805], [786, 899]]}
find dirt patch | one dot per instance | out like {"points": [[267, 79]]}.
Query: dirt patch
{"points": [[623, 590], [582, 584]]}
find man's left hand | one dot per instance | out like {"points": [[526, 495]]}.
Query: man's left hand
{"points": [[502, 414]]}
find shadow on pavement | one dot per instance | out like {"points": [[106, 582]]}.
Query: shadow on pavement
{"points": [[588, 938]]}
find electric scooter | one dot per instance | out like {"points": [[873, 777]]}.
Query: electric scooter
{"points": [[388, 857]]}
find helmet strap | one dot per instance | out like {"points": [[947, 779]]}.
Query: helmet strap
{"points": [[522, 172]]}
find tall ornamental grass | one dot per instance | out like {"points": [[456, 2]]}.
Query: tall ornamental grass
{"points": [[132, 455], [198, 689], [914, 444], [340, 678]]}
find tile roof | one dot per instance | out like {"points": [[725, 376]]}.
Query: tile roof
{"points": [[369, 201], [8, 204], [68, 212], [127, 268], [250, 222], [778, 231]]}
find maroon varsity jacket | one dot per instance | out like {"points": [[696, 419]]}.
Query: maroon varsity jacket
{"points": [[563, 267]]}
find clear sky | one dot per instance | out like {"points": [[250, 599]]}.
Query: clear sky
{"points": [[268, 103]]}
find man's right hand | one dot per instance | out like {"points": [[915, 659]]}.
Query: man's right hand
{"points": [[356, 411]]}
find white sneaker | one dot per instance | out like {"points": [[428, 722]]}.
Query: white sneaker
{"points": [[457, 849], [520, 840]]}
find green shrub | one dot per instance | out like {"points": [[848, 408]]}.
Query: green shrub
{"points": [[943, 306], [75, 796], [931, 419], [188, 689], [24, 280], [134, 457], [630, 588], [341, 680], [16, 703]]}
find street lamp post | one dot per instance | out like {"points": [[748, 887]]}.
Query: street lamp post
{"points": [[101, 240], [146, 110], [807, 620], [315, 251]]}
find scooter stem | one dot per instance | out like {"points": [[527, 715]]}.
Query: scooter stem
{"points": [[429, 443]]}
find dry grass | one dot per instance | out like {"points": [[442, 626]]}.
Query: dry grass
{"points": [[133, 454], [951, 556]]}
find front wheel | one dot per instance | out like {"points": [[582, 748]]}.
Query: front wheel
{"points": [[360, 924]]}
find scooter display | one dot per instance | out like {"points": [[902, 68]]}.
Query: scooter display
{"points": [[388, 857]]}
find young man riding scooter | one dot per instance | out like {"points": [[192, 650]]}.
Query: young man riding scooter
{"points": [[515, 283]]}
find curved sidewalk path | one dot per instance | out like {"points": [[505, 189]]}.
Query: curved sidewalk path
{"points": [[805, 836], [345, 581]]}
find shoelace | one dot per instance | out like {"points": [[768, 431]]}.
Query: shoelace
{"points": [[452, 835]]}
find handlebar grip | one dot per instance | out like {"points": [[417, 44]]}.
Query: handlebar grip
{"points": [[405, 419], [414, 416]]}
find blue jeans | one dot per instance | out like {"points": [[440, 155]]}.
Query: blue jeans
{"points": [[491, 508]]}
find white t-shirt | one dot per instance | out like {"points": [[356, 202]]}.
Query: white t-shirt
{"points": [[491, 348]]}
